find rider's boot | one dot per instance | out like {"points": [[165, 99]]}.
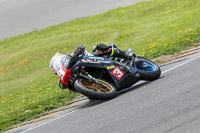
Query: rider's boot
{"points": [[130, 55], [124, 54], [138, 62]]}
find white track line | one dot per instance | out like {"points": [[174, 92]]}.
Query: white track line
{"points": [[54, 119], [181, 64], [79, 109], [49, 121]]}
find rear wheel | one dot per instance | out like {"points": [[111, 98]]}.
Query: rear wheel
{"points": [[148, 70], [103, 91]]}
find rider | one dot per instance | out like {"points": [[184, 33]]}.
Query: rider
{"points": [[110, 50]]}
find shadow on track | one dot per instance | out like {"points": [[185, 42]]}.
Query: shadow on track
{"points": [[93, 102], [132, 88]]}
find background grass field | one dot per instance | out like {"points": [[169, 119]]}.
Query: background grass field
{"points": [[28, 88]]}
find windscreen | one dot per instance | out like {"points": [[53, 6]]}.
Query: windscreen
{"points": [[55, 62]]}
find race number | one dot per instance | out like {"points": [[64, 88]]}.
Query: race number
{"points": [[61, 73], [118, 73], [64, 74]]}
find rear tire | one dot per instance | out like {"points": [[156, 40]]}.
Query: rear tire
{"points": [[104, 91], [150, 72]]}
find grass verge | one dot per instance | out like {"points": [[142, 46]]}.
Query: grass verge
{"points": [[27, 86]]}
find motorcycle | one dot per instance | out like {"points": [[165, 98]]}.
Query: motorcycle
{"points": [[101, 77]]}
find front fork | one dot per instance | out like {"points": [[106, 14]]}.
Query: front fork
{"points": [[90, 77], [81, 72]]}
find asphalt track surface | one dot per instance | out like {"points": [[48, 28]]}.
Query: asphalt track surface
{"points": [[22, 16], [170, 104]]}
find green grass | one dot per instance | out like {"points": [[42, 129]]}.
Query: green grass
{"points": [[28, 88]]}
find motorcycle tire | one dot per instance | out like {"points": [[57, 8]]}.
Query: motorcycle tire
{"points": [[104, 91], [148, 70]]}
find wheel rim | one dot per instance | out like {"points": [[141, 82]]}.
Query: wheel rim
{"points": [[103, 86], [147, 66]]}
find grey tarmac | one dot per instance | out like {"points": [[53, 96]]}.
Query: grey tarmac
{"points": [[22, 16]]}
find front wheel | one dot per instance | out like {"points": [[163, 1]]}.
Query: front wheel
{"points": [[103, 91], [148, 70]]}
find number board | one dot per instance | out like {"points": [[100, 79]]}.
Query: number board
{"points": [[118, 73]]}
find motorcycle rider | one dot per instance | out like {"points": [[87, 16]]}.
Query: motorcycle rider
{"points": [[113, 51], [110, 50]]}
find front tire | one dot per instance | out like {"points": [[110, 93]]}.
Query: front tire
{"points": [[104, 91], [148, 70]]}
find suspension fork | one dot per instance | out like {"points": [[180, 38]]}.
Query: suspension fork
{"points": [[89, 77]]}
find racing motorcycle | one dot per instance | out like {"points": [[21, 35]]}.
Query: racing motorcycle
{"points": [[100, 77]]}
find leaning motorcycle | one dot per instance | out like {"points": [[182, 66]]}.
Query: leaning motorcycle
{"points": [[101, 77]]}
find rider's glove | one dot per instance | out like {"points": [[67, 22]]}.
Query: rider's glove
{"points": [[79, 50]]}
